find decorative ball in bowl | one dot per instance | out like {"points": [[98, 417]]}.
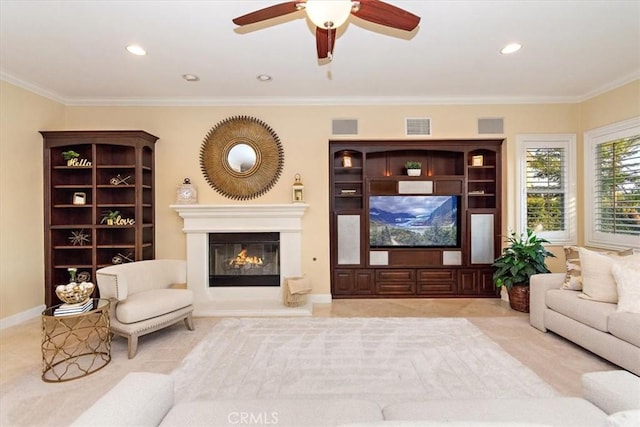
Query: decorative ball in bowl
{"points": [[75, 293]]}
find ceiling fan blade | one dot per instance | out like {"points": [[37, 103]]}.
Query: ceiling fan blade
{"points": [[382, 13], [325, 42], [267, 13]]}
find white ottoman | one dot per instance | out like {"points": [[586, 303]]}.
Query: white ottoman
{"points": [[612, 391]]}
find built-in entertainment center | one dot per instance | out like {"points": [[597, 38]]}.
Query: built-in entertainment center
{"points": [[429, 235]]}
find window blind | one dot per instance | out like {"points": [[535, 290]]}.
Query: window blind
{"points": [[617, 186]]}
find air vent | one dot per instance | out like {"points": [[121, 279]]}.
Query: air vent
{"points": [[344, 127], [494, 125], [418, 126]]}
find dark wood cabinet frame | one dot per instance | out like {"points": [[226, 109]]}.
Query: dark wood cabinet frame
{"points": [[468, 168]]}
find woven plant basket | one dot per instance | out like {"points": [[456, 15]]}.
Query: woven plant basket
{"points": [[519, 298]]}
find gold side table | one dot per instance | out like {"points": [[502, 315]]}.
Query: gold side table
{"points": [[77, 345]]}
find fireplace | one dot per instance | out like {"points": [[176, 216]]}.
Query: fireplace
{"points": [[285, 220], [244, 259]]}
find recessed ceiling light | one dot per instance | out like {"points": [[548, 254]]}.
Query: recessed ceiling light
{"points": [[264, 78], [190, 77], [511, 48], [136, 50]]}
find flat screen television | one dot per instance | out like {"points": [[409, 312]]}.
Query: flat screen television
{"points": [[413, 221]]}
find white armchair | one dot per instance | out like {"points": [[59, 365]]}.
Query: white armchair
{"points": [[143, 299]]}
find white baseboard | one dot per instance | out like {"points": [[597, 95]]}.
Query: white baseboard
{"points": [[320, 298], [18, 318]]}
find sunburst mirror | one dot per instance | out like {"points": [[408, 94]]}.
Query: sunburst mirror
{"points": [[241, 157]]}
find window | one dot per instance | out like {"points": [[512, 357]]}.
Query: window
{"points": [[612, 192], [546, 185]]}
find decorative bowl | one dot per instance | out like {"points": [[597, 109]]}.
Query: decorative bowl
{"points": [[75, 293]]}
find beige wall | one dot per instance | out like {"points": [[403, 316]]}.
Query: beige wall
{"points": [[304, 132], [22, 114]]}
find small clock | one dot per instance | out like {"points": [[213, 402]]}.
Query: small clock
{"points": [[186, 193]]}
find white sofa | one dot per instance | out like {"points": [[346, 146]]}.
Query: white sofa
{"points": [[596, 326], [147, 399], [145, 297]]}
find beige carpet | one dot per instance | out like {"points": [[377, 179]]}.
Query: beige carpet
{"points": [[381, 359]]}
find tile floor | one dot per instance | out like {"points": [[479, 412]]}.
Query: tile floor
{"points": [[27, 401]]}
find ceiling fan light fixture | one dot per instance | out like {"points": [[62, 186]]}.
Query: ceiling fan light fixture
{"points": [[328, 13]]}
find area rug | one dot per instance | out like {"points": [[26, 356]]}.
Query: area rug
{"points": [[381, 359]]}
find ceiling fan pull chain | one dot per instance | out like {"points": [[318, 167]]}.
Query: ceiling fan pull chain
{"points": [[330, 49]]}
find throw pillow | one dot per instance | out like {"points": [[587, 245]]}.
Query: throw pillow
{"points": [[627, 277], [573, 278], [598, 283]]}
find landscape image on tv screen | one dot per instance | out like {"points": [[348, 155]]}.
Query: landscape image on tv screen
{"points": [[413, 221]]}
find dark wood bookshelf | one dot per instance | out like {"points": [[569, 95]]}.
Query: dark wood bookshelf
{"points": [[112, 154]]}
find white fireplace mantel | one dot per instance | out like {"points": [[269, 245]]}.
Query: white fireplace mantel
{"points": [[200, 220]]}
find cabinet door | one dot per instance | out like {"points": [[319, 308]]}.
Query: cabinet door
{"points": [[482, 237], [348, 240], [343, 282]]}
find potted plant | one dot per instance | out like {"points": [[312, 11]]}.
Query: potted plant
{"points": [[524, 257], [109, 217], [413, 168], [70, 156]]}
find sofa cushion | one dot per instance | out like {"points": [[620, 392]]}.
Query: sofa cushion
{"points": [[140, 399], [597, 281], [629, 418], [612, 391], [137, 307], [281, 412], [625, 326], [591, 313], [559, 411], [627, 277]]}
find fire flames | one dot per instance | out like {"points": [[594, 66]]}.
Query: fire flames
{"points": [[244, 260]]}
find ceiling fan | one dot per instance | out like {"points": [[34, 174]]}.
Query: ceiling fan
{"points": [[327, 15]]}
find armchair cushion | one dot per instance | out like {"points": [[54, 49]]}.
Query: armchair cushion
{"points": [[152, 303]]}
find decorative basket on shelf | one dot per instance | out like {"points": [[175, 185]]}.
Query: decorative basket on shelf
{"points": [[75, 293]]}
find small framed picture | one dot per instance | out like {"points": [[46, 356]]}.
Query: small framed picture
{"points": [[346, 161], [79, 198], [477, 160]]}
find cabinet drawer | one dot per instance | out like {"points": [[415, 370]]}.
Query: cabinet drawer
{"points": [[436, 275], [397, 288], [439, 288], [395, 275]]}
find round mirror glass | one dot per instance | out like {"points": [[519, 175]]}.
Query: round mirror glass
{"points": [[241, 158]]}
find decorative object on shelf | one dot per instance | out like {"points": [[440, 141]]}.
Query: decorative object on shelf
{"points": [[186, 193], [109, 217], [118, 180], [524, 257], [79, 198], [83, 276], [79, 237], [347, 161], [121, 259], [297, 190], [72, 273], [72, 159], [241, 157], [75, 293], [477, 160], [69, 156], [114, 218], [413, 168]]}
